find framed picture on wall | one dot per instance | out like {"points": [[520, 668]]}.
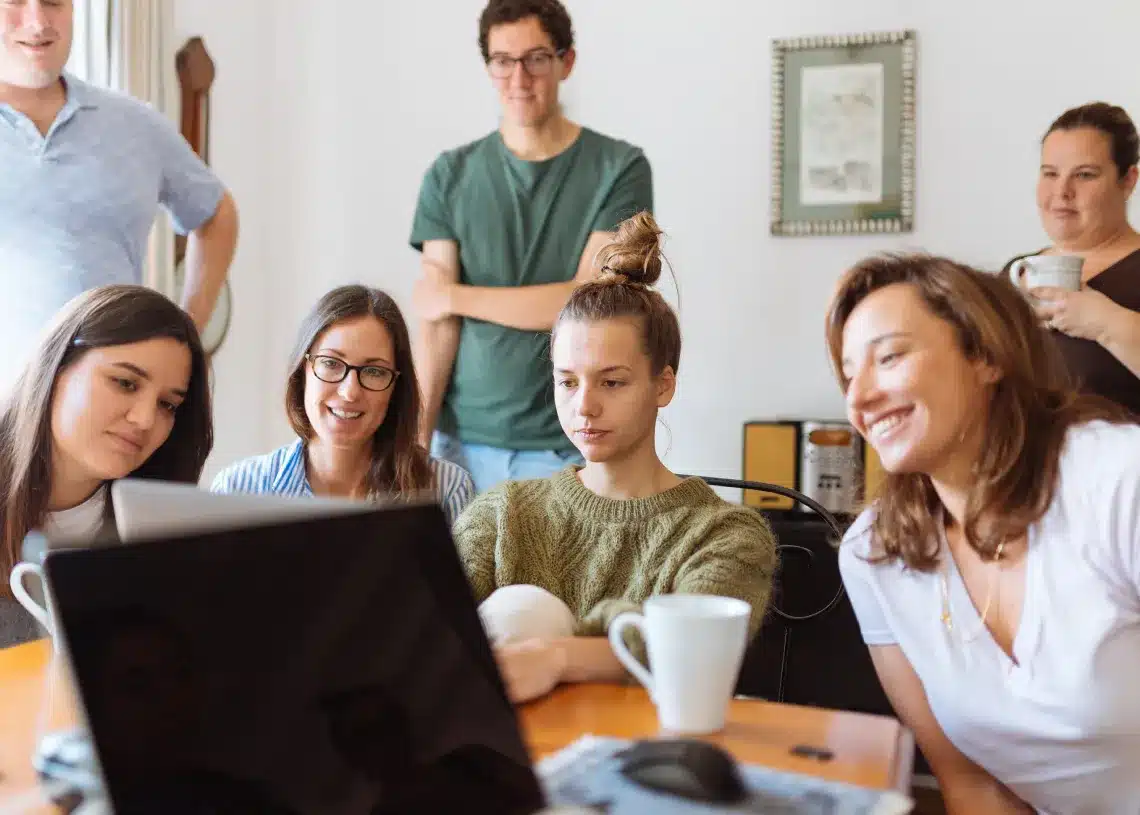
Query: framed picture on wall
{"points": [[843, 134]]}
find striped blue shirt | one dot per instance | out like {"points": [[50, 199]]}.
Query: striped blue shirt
{"points": [[77, 204], [282, 472]]}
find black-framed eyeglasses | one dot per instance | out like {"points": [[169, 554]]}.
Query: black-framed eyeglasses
{"points": [[535, 63], [333, 370]]}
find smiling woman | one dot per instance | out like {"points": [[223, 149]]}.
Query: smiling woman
{"points": [[353, 400], [117, 387], [1010, 501]]}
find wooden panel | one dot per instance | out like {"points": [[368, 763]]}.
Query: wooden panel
{"points": [[771, 454]]}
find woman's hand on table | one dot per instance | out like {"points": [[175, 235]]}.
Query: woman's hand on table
{"points": [[530, 668]]}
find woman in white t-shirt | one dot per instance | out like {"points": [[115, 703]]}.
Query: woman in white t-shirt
{"points": [[118, 386], [996, 576]]}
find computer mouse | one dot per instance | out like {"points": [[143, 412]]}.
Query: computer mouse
{"points": [[686, 768]]}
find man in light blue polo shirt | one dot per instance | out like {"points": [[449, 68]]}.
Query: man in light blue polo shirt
{"points": [[82, 173]]}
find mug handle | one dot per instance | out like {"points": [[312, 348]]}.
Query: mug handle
{"points": [[617, 627], [1017, 272], [16, 581]]}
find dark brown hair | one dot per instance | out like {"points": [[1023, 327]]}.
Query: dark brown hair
{"points": [[551, 14], [1032, 406], [630, 265], [400, 466], [99, 318], [1113, 122]]}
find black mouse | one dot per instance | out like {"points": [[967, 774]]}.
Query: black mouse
{"points": [[686, 768]]}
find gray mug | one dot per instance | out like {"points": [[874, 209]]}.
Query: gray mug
{"points": [[1058, 271]]}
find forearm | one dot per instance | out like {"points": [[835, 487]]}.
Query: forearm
{"points": [[438, 345], [1121, 338], [589, 659], [209, 253], [527, 308], [982, 794]]}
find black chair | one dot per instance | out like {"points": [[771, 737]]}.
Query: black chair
{"points": [[833, 527], [809, 650]]}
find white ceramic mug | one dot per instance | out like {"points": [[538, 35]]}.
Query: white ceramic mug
{"points": [[695, 644], [45, 612], [1058, 271]]}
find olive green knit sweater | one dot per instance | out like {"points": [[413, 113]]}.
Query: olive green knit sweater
{"points": [[602, 556]]}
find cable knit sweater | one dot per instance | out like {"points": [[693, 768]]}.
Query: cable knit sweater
{"points": [[602, 556]]}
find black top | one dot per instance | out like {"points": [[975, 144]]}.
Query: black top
{"points": [[1090, 364]]}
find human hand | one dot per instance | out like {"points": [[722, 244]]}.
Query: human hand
{"points": [[1085, 314], [432, 293], [530, 668]]}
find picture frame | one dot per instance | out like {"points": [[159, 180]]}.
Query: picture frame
{"points": [[843, 134]]}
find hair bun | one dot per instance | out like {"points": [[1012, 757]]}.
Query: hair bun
{"points": [[636, 251]]}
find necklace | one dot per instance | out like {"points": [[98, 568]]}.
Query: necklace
{"points": [[947, 617]]}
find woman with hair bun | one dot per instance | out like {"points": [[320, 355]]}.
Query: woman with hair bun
{"points": [[600, 539]]}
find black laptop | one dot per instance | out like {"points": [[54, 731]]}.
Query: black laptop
{"points": [[332, 665]]}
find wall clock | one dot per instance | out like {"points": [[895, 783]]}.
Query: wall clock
{"points": [[195, 78]]}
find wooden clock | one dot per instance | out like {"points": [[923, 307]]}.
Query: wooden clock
{"points": [[195, 78]]}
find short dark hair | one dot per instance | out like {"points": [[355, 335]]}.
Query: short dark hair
{"points": [[1112, 121], [551, 14]]}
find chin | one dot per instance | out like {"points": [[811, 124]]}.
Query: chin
{"points": [[36, 80]]}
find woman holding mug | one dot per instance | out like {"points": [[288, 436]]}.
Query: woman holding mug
{"points": [[353, 401], [1088, 172], [117, 387]]}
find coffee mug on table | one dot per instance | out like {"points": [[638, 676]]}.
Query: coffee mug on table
{"points": [[1058, 271], [695, 644], [41, 609]]}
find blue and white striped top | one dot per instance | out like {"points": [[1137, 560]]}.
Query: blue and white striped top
{"points": [[282, 472]]}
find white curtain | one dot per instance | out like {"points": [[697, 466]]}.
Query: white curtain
{"points": [[128, 45]]}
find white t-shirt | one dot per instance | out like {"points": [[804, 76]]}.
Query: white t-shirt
{"points": [[1061, 727], [80, 523]]}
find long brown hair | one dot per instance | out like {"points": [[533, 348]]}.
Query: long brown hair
{"points": [[1032, 406], [400, 466], [99, 318], [630, 265]]}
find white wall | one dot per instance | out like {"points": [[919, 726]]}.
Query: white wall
{"points": [[326, 115]]}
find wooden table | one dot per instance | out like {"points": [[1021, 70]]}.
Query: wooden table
{"points": [[871, 751]]}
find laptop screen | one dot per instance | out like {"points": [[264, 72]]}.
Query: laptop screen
{"points": [[331, 665]]}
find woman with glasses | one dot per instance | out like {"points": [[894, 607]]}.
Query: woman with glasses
{"points": [[353, 401], [117, 387]]}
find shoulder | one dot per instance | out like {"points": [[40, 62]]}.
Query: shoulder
{"points": [[450, 476], [454, 162], [261, 473], [120, 108], [1099, 461], [1099, 450], [518, 499], [613, 153], [610, 146]]}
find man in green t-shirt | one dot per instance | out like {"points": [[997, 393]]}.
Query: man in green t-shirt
{"points": [[507, 226]]}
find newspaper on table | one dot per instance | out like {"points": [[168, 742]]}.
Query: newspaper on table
{"points": [[586, 773]]}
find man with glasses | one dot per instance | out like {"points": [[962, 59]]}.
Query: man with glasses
{"points": [[507, 226]]}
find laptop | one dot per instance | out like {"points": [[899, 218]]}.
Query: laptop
{"points": [[145, 508], [334, 664]]}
